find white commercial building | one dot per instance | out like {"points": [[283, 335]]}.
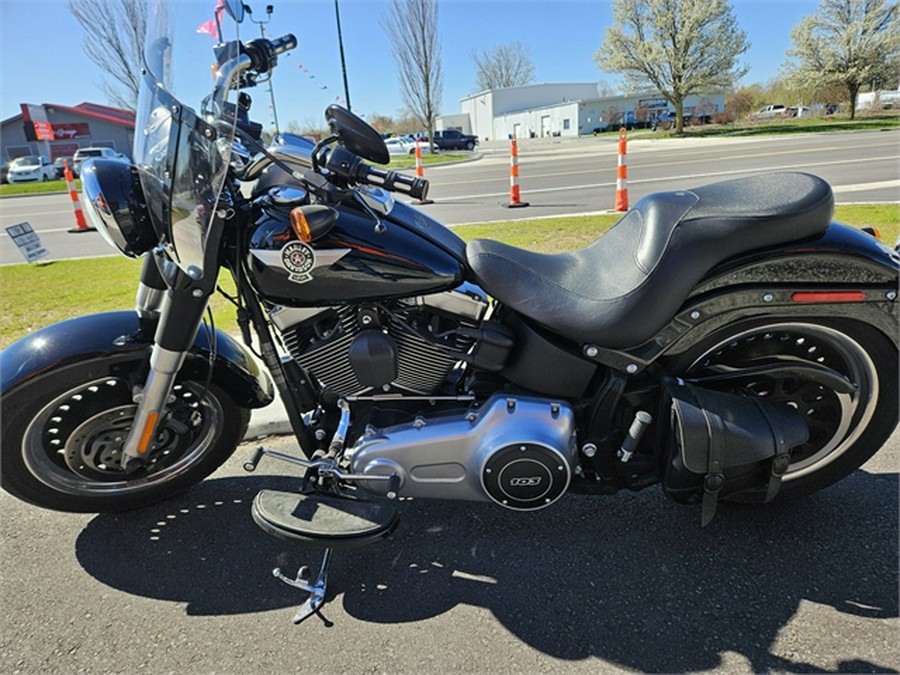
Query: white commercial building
{"points": [[571, 109]]}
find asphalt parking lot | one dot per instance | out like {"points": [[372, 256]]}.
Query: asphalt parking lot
{"points": [[623, 583]]}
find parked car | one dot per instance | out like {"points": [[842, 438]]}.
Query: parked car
{"points": [[84, 154], [397, 146], [59, 165], [798, 111], [31, 169], [406, 145], [769, 112], [453, 139]]}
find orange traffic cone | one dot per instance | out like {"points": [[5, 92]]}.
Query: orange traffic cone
{"points": [[514, 196], [622, 173], [80, 223]]}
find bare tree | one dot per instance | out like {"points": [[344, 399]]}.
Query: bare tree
{"points": [[679, 47], [505, 66], [411, 26], [847, 42], [114, 33], [606, 90]]}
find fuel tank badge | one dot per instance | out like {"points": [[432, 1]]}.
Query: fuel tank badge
{"points": [[299, 259]]}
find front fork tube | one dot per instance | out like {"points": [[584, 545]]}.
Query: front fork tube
{"points": [[180, 313], [164, 366]]}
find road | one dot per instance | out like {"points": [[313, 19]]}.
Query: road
{"points": [[567, 176], [590, 585]]}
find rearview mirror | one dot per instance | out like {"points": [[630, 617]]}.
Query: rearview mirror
{"points": [[356, 136], [235, 9]]}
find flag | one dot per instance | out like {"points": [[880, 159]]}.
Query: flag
{"points": [[211, 27]]}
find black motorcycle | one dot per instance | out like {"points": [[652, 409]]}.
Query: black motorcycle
{"points": [[729, 342]]}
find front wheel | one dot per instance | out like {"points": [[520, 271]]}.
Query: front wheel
{"points": [[845, 427], [63, 433]]}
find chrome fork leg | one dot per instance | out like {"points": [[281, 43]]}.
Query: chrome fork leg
{"points": [[164, 366]]}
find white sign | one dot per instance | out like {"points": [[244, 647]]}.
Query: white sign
{"points": [[27, 240]]}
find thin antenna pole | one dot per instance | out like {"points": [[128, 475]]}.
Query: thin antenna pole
{"points": [[337, 16]]}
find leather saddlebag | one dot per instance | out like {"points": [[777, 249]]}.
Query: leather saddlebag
{"points": [[722, 444]]}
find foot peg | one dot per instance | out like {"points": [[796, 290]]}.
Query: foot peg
{"points": [[320, 521]]}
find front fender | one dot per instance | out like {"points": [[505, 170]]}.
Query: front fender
{"points": [[118, 336]]}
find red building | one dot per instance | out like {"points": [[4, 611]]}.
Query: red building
{"points": [[58, 131]]}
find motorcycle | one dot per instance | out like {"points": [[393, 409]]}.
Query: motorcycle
{"points": [[728, 342]]}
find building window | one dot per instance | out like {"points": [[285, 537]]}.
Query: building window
{"points": [[566, 123]]}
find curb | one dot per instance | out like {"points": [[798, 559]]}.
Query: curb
{"points": [[269, 421], [272, 420]]}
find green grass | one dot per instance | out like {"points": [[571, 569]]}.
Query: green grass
{"points": [[804, 125], [37, 188], [439, 158], [40, 294]]}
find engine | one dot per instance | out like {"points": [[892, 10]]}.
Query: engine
{"points": [[409, 346], [513, 450], [519, 452]]}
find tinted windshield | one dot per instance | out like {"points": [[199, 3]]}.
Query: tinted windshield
{"points": [[27, 161], [181, 153]]}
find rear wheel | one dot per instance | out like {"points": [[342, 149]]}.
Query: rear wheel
{"points": [[63, 434], [841, 375]]}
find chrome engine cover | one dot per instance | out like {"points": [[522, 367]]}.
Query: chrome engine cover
{"points": [[517, 451]]}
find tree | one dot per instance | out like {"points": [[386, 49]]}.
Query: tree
{"points": [[847, 42], [114, 33], [678, 47], [411, 26], [505, 66]]}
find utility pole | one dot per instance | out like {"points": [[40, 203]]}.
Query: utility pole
{"points": [[337, 16], [262, 33]]}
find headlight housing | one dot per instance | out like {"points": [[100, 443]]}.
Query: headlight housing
{"points": [[115, 205]]}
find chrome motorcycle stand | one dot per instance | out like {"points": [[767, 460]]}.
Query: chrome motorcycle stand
{"points": [[316, 589]]}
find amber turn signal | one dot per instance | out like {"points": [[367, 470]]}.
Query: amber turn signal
{"points": [[301, 225]]}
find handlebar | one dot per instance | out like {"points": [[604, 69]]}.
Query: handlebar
{"points": [[264, 53], [344, 163], [284, 44]]}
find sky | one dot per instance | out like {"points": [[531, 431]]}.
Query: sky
{"points": [[42, 60]]}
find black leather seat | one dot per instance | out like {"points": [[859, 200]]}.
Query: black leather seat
{"points": [[623, 288]]}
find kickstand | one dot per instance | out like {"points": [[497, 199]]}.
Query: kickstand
{"points": [[316, 590]]}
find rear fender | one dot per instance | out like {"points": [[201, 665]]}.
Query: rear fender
{"points": [[845, 273], [118, 336]]}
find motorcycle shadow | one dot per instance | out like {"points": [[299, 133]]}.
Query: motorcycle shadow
{"points": [[201, 548], [631, 579]]}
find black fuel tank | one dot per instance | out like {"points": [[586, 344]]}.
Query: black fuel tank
{"points": [[355, 261]]}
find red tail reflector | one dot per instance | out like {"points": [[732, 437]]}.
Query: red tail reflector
{"points": [[828, 296]]}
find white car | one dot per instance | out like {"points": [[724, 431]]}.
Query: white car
{"points": [[769, 112], [396, 146], [405, 146], [31, 169], [84, 154]]}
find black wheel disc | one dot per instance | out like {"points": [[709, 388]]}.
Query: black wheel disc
{"points": [[836, 419], [74, 442]]}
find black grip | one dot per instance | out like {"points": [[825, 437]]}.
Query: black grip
{"points": [[284, 44], [250, 464], [344, 163], [393, 181]]}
